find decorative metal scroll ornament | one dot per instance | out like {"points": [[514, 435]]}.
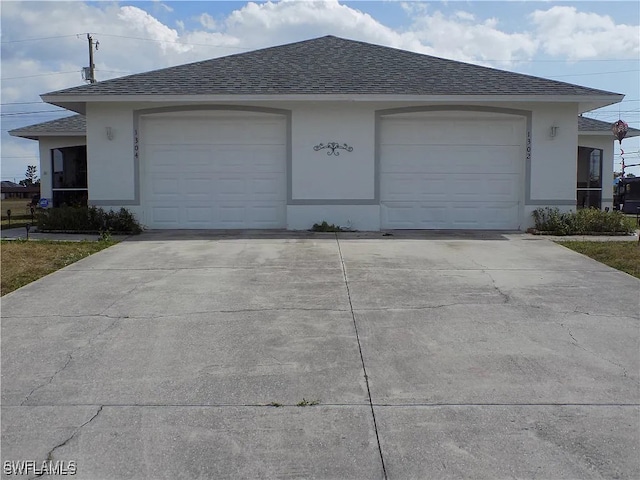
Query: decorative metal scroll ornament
{"points": [[333, 148]]}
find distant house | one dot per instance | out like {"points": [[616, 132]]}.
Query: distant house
{"points": [[328, 129], [15, 190]]}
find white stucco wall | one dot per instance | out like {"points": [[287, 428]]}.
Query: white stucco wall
{"points": [[346, 176], [553, 159], [110, 166], [349, 176], [46, 144]]}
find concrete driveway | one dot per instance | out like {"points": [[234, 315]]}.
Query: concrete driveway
{"points": [[186, 354]]}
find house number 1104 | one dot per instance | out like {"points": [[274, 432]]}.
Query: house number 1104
{"points": [[136, 147]]}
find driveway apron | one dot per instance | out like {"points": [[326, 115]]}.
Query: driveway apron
{"points": [[330, 356]]}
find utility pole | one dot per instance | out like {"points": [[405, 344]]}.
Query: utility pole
{"points": [[91, 77]]}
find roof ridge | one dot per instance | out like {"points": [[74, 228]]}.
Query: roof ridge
{"points": [[330, 65]]}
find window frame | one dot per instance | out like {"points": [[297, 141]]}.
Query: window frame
{"points": [[55, 189], [588, 188]]}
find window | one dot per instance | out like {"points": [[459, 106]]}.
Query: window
{"points": [[69, 179], [589, 185]]}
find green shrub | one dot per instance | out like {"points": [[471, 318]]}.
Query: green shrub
{"points": [[88, 219], [584, 221], [326, 227]]}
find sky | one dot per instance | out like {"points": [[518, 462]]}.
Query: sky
{"points": [[44, 45]]}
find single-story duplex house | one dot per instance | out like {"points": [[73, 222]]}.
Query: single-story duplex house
{"points": [[359, 135]]}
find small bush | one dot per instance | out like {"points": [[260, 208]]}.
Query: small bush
{"points": [[326, 227], [88, 219], [583, 222]]}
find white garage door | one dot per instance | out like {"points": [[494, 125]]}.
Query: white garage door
{"points": [[214, 170], [451, 170]]}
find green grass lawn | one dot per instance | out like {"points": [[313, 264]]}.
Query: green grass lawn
{"points": [[20, 214], [23, 262], [624, 256]]}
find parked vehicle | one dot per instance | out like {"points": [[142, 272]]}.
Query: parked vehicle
{"points": [[627, 195]]}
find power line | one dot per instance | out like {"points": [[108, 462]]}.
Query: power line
{"points": [[37, 38], [597, 73], [39, 75], [146, 39]]}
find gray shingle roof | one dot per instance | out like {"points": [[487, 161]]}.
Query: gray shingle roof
{"points": [[8, 184], [73, 125], [329, 65], [586, 124]]}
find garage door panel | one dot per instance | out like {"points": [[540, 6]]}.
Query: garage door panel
{"points": [[161, 132], [238, 215], [448, 132], [165, 159], [167, 215], [266, 215], [219, 172], [232, 214], [266, 187], [407, 187], [485, 215], [502, 188], [230, 187], [199, 214], [451, 172], [473, 188], [262, 159], [196, 186], [449, 158], [164, 185]]}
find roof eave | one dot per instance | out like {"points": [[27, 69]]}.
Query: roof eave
{"points": [[31, 135], [604, 133], [77, 103], [71, 104]]}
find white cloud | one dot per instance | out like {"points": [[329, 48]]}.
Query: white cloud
{"points": [[564, 31], [465, 15], [207, 21], [147, 25], [460, 37], [286, 21]]}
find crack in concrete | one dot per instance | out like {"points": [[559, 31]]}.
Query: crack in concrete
{"points": [[75, 432], [182, 314], [505, 297], [423, 307], [580, 312], [364, 367], [577, 344], [42, 385], [70, 357]]}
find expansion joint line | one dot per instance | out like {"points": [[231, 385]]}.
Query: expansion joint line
{"points": [[364, 368]]}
